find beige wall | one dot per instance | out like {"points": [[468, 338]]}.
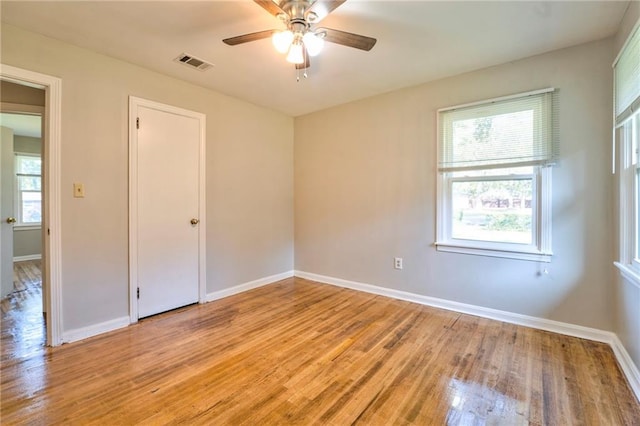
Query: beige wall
{"points": [[249, 175], [26, 144], [629, 21], [365, 192], [27, 242], [627, 319]]}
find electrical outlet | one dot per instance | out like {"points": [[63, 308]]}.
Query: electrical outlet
{"points": [[543, 272], [397, 262]]}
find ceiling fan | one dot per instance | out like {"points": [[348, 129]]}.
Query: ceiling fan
{"points": [[302, 39]]}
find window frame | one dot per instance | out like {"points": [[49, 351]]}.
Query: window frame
{"points": [[626, 136], [540, 248], [18, 199], [629, 187], [635, 191]]}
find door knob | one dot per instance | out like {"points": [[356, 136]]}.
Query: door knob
{"points": [[194, 221], [11, 220]]}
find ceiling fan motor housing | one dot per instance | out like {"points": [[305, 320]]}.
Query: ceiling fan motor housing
{"points": [[296, 9]]}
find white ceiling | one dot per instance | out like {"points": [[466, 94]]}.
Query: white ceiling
{"points": [[22, 124], [418, 41]]}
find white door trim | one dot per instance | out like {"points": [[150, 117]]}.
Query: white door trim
{"points": [[52, 214], [134, 103]]}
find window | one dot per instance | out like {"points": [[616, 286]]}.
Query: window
{"points": [[494, 179], [636, 204], [28, 189], [627, 131], [629, 138]]}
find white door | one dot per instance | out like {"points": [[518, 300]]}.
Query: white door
{"points": [[168, 206], [6, 211]]}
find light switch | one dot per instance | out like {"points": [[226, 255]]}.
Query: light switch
{"points": [[78, 190]]}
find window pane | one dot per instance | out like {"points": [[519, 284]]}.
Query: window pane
{"points": [[31, 207], [29, 183], [29, 165], [510, 131], [492, 136], [499, 211]]}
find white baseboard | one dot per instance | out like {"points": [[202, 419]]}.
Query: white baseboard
{"points": [[93, 330], [104, 327], [247, 286], [629, 368], [626, 363], [27, 257]]}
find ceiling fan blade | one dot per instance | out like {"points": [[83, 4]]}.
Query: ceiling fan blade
{"points": [[322, 8], [347, 39], [245, 38], [270, 7]]}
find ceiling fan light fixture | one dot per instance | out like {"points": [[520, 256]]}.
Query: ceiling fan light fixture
{"points": [[299, 39], [313, 43], [282, 40], [296, 53]]}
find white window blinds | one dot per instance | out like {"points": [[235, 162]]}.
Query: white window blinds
{"points": [[627, 78], [514, 131]]}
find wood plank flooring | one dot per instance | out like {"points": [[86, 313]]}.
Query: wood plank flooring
{"points": [[299, 352], [23, 324]]}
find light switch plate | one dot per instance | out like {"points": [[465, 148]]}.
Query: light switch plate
{"points": [[78, 190]]}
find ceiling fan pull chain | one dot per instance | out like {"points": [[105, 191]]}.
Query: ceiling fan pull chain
{"points": [[306, 61]]}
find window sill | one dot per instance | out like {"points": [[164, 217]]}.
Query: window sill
{"points": [[26, 227], [630, 274], [534, 256]]}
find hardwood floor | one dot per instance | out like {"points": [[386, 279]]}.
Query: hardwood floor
{"points": [[299, 352], [23, 325]]}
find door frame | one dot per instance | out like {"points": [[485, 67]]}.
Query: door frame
{"points": [[52, 239], [134, 103], [39, 111]]}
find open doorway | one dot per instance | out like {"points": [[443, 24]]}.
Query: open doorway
{"points": [[23, 306], [51, 241]]}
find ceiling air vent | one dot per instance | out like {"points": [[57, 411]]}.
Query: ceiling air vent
{"points": [[193, 62]]}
